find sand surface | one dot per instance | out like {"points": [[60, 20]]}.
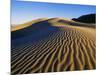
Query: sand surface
{"points": [[53, 45]]}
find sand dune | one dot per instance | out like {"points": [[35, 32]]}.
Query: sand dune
{"points": [[24, 25], [53, 45]]}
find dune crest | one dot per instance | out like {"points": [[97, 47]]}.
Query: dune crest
{"points": [[24, 25]]}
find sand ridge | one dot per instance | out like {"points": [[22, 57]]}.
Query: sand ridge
{"points": [[24, 25], [55, 47]]}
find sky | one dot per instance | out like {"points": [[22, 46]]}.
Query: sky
{"points": [[22, 12]]}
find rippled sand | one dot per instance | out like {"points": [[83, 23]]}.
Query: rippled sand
{"points": [[53, 45]]}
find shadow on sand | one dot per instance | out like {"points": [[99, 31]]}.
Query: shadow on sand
{"points": [[35, 32]]}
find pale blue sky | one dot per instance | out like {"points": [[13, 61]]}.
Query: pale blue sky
{"points": [[26, 11]]}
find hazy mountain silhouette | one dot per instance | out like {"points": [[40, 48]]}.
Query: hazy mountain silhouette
{"points": [[89, 18]]}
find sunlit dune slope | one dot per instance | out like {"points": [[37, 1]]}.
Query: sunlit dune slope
{"points": [[53, 45]]}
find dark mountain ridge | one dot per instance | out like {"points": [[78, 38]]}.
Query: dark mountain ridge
{"points": [[89, 18]]}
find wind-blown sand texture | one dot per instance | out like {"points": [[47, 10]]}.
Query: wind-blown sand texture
{"points": [[53, 45]]}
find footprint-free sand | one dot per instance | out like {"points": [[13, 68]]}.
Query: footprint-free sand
{"points": [[53, 45]]}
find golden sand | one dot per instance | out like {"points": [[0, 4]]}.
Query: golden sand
{"points": [[70, 47]]}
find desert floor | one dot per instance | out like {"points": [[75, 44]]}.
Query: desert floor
{"points": [[52, 45]]}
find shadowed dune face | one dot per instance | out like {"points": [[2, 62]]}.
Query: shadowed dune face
{"points": [[32, 29], [53, 45]]}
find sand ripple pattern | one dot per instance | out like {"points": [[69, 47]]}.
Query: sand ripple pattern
{"points": [[70, 48]]}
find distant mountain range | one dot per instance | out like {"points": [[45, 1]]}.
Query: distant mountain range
{"points": [[89, 18]]}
